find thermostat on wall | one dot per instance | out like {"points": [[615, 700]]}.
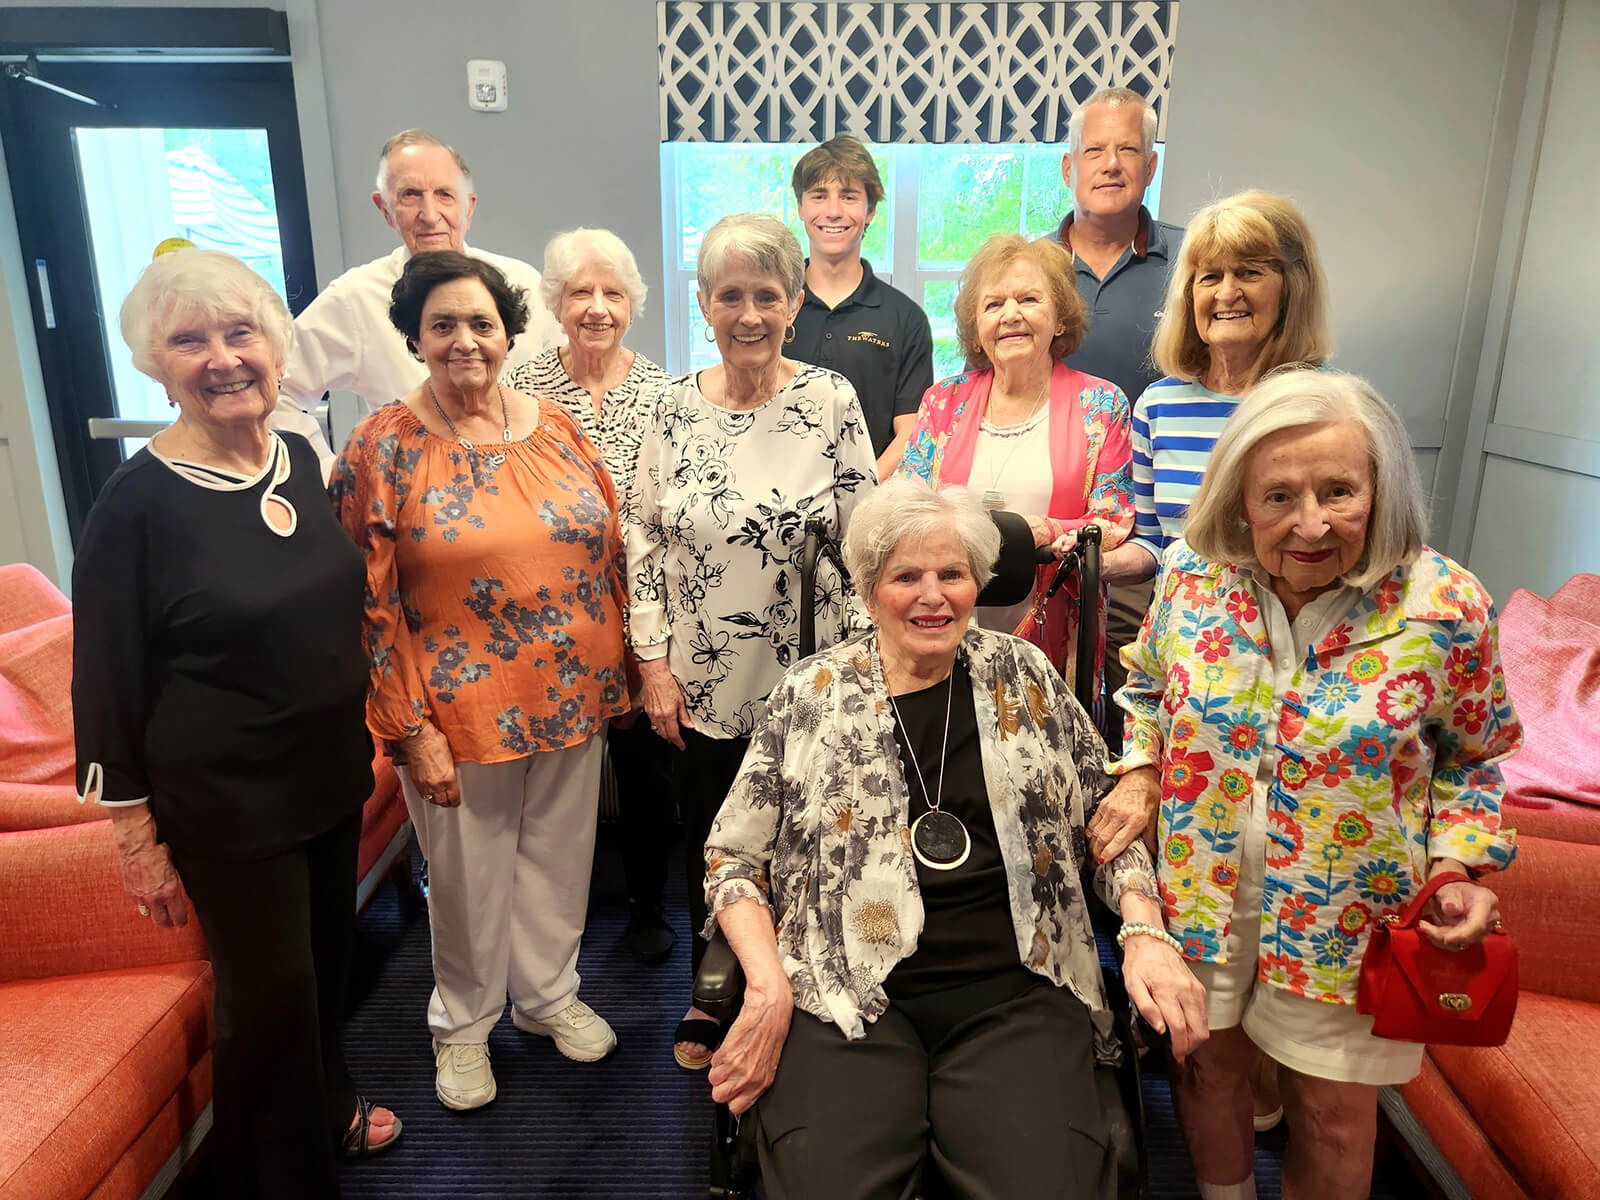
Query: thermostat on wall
{"points": [[486, 85]]}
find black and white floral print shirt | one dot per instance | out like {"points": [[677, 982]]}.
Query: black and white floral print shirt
{"points": [[817, 827], [715, 529]]}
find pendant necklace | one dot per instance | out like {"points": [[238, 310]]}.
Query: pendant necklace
{"points": [[938, 839], [495, 458], [993, 497]]}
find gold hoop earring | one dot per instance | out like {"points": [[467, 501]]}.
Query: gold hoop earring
{"points": [[711, 334], [788, 335]]}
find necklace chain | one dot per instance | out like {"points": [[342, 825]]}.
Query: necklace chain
{"points": [[938, 798], [505, 433]]}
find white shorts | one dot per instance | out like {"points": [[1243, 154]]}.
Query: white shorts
{"points": [[1316, 1038]]}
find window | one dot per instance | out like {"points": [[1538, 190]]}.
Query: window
{"points": [[941, 202]]}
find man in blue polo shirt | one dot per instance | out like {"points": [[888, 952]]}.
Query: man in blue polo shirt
{"points": [[851, 321], [1123, 257]]}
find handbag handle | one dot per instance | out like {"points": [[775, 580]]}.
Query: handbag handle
{"points": [[1412, 913]]}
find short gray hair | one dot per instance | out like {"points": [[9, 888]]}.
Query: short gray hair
{"points": [[568, 253], [210, 284], [1292, 398], [755, 238], [416, 137], [1113, 97], [906, 507]]}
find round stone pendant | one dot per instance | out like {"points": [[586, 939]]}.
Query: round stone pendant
{"points": [[940, 841]]}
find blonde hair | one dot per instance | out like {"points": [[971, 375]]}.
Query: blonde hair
{"points": [[1256, 227], [1294, 398], [993, 257]]}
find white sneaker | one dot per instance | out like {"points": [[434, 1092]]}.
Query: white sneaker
{"points": [[579, 1032], [462, 1078]]}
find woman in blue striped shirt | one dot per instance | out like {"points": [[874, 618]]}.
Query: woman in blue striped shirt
{"points": [[1247, 295]]}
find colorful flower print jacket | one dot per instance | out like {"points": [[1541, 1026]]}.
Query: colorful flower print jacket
{"points": [[817, 826], [1387, 744]]}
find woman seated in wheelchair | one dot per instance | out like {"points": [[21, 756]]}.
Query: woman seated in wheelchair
{"points": [[898, 870]]}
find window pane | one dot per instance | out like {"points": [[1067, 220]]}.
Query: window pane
{"points": [[142, 186], [702, 354], [939, 302], [965, 194], [715, 180]]}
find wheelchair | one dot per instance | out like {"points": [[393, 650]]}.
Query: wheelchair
{"points": [[719, 983]]}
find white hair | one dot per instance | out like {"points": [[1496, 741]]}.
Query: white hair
{"points": [[1293, 398], [755, 238], [1113, 97], [416, 137], [569, 253], [906, 507], [207, 283]]}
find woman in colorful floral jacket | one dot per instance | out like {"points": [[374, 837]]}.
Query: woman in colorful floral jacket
{"points": [[1322, 696], [898, 869]]}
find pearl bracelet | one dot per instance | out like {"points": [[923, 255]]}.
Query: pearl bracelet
{"points": [[1135, 928]]}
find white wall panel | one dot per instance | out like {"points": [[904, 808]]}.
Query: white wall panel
{"points": [[1536, 527]]}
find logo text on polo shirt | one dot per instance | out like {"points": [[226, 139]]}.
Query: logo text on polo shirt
{"points": [[866, 335]]}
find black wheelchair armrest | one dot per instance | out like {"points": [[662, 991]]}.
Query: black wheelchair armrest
{"points": [[719, 983]]}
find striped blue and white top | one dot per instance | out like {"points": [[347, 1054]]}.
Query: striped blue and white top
{"points": [[1175, 426]]}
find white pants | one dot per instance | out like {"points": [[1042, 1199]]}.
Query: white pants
{"points": [[508, 893]]}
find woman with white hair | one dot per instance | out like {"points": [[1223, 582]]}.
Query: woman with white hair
{"points": [[1316, 697], [591, 283], [898, 869], [736, 460], [225, 732]]}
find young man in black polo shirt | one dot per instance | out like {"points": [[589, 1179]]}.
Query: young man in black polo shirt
{"points": [[852, 322]]}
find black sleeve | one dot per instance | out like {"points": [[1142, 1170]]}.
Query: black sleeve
{"points": [[916, 365], [109, 686]]}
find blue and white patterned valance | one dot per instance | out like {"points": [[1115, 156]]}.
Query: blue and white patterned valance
{"points": [[770, 71]]}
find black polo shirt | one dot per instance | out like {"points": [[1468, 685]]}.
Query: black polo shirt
{"points": [[877, 338]]}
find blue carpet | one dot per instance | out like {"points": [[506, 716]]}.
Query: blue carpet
{"points": [[632, 1125]]}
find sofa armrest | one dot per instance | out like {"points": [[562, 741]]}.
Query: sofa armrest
{"points": [[1548, 898], [63, 910], [43, 806]]}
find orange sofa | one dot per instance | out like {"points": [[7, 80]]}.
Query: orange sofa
{"points": [[105, 1020], [1522, 1121]]}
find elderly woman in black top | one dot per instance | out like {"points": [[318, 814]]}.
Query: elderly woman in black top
{"points": [[221, 728], [899, 859]]}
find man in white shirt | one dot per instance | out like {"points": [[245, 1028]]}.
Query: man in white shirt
{"points": [[344, 338]]}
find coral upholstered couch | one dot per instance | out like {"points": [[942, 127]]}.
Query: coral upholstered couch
{"points": [[1523, 1120], [105, 1020]]}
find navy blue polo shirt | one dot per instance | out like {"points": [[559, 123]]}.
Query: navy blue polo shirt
{"points": [[878, 338], [1125, 305]]}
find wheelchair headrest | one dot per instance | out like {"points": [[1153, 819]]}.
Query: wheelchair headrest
{"points": [[1014, 571]]}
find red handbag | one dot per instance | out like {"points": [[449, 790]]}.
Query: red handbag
{"points": [[1416, 992]]}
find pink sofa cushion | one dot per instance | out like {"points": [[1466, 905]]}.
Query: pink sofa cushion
{"points": [[1551, 652]]}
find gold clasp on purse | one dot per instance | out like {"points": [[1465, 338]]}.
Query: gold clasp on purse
{"points": [[1455, 1001]]}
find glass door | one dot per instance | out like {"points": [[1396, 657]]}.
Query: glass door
{"points": [[207, 153]]}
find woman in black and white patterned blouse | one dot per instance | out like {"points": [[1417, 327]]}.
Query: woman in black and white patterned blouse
{"points": [[735, 460], [591, 283]]}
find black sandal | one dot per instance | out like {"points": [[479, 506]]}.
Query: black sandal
{"points": [[696, 1031], [355, 1144]]}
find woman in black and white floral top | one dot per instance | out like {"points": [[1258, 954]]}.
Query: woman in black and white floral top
{"points": [[591, 282], [736, 459], [898, 868]]}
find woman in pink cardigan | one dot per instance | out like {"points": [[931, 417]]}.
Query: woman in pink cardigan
{"points": [[1020, 427]]}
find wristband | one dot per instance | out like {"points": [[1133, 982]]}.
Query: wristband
{"points": [[1136, 928]]}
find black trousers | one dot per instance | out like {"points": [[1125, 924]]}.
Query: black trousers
{"points": [[702, 773], [280, 932], [1002, 1106], [644, 796]]}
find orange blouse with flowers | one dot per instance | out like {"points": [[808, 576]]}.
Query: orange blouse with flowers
{"points": [[494, 598]]}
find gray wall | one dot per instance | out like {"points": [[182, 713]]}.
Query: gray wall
{"points": [[1390, 123]]}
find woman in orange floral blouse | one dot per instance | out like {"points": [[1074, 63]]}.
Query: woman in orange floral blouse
{"points": [[494, 628], [1319, 693]]}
